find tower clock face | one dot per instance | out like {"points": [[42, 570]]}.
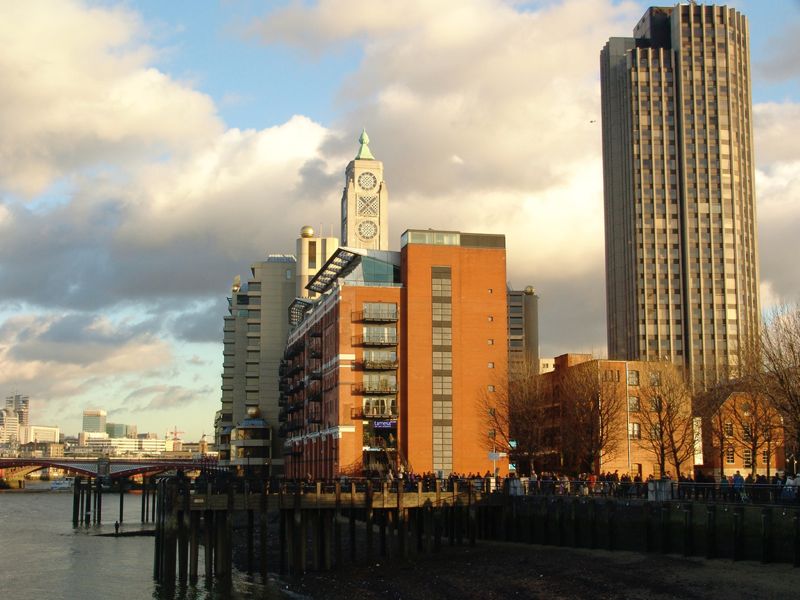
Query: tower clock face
{"points": [[367, 230], [367, 181]]}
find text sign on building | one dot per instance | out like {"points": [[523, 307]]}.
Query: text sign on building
{"points": [[384, 424]]}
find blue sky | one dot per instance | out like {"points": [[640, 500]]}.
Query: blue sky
{"points": [[153, 150]]}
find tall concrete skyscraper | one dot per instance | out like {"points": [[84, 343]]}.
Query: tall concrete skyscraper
{"points": [[680, 214]]}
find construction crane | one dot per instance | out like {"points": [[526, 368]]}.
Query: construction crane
{"points": [[175, 433]]}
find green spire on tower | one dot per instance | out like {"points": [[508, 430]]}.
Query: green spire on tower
{"points": [[363, 151]]}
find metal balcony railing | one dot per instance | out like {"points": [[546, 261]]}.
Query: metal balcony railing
{"points": [[376, 339], [372, 413], [387, 314], [378, 365], [375, 387]]}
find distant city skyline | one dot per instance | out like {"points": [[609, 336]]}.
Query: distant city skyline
{"points": [[151, 151]]}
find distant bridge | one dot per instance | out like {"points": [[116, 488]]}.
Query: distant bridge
{"points": [[109, 467]]}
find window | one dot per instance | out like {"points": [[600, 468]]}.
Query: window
{"points": [[633, 377], [634, 431], [656, 404], [490, 318], [727, 430], [491, 291], [312, 255], [610, 375], [442, 385], [765, 457], [655, 378], [729, 456], [289, 275], [442, 311], [442, 336], [747, 430], [490, 342], [491, 365], [441, 287], [442, 361], [748, 458], [655, 433], [490, 388], [633, 404]]}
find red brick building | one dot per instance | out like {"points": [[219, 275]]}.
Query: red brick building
{"points": [[390, 367]]}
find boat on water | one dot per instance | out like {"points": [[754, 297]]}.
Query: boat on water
{"points": [[62, 485]]}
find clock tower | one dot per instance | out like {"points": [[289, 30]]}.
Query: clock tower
{"points": [[365, 218]]}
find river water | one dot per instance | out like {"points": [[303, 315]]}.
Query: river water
{"points": [[43, 556]]}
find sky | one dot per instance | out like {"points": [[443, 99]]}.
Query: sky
{"points": [[150, 151]]}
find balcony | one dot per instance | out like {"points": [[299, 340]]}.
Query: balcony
{"points": [[375, 387], [316, 375], [379, 365], [379, 339], [315, 333], [368, 412], [314, 396], [381, 314], [315, 353]]}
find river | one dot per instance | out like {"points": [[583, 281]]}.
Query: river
{"points": [[43, 556]]}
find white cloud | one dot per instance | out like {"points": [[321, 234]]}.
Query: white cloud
{"points": [[79, 91]]}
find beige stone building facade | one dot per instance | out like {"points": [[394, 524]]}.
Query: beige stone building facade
{"points": [[680, 214]]}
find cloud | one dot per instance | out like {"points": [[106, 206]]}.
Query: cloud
{"points": [[79, 92], [163, 397], [783, 48]]}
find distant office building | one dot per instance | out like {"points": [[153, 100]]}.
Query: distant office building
{"points": [[9, 426], [680, 213], [21, 405], [523, 331], [38, 433], [94, 421], [392, 366], [118, 430], [255, 332]]}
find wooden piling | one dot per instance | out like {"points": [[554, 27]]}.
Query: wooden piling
{"points": [[208, 545], [88, 500], [262, 536], [122, 482], [368, 517], [738, 533], [194, 545], [766, 535], [351, 517], [688, 530], [402, 522], [711, 531], [337, 526], [76, 490], [144, 497]]}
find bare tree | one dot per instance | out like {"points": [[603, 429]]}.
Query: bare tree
{"points": [[590, 404], [710, 406], [666, 415], [756, 427], [519, 416], [780, 354]]}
